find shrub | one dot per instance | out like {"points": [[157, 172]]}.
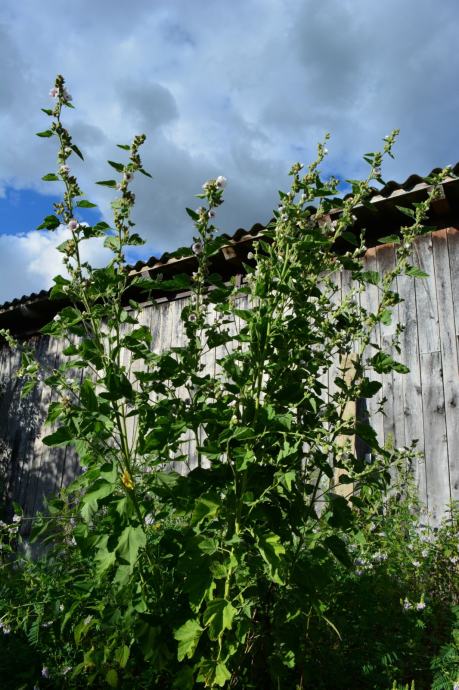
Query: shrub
{"points": [[240, 573]]}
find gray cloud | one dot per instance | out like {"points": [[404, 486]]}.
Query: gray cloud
{"points": [[241, 89]]}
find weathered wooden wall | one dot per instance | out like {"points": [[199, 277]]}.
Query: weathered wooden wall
{"points": [[423, 404]]}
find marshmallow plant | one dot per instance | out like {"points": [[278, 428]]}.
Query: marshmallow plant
{"points": [[153, 579]]}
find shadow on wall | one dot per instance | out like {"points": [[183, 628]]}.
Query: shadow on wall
{"points": [[29, 471]]}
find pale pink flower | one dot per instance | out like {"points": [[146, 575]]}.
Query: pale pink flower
{"points": [[73, 224]]}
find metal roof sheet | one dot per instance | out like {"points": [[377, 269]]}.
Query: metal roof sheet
{"points": [[390, 190]]}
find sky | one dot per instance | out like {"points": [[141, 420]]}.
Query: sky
{"points": [[241, 89]]}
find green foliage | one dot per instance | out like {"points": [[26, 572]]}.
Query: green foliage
{"points": [[240, 573]]}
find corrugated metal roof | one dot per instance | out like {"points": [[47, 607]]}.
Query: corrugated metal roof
{"points": [[391, 190]]}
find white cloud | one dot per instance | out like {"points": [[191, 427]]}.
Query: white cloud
{"points": [[241, 89], [30, 260]]}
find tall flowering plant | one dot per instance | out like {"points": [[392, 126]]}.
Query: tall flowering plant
{"points": [[212, 578]]}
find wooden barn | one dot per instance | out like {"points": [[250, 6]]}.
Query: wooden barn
{"points": [[423, 404]]}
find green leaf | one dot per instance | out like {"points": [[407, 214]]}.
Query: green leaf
{"points": [[218, 617], [125, 147], [61, 437], [47, 111], [75, 148], [135, 240], [204, 508], [84, 203], [406, 211], [99, 489], [104, 559], [389, 239], [132, 539], [112, 243], [107, 183], [122, 655], [271, 549], [118, 386], [384, 363], [50, 177], [88, 396], [49, 223], [213, 673], [386, 317], [193, 215], [118, 166], [369, 388], [188, 636], [144, 172], [416, 272], [371, 277], [46, 133], [338, 549], [112, 678]]}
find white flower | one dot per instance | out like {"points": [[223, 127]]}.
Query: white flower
{"points": [[17, 518], [325, 150], [61, 607], [57, 317], [66, 95], [54, 92], [416, 564], [407, 604], [72, 225], [250, 256], [70, 381], [420, 606], [64, 169], [197, 248], [149, 519], [221, 181], [45, 672], [84, 468], [284, 217]]}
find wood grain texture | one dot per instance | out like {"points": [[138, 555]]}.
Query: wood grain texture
{"points": [[423, 405]]}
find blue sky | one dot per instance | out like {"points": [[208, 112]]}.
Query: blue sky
{"points": [[241, 89]]}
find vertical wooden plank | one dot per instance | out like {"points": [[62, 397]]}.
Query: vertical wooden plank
{"points": [[369, 300], [433, 400], [411, 382], [453, 251], [449, 354], [393, 422], [42, 469]]}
